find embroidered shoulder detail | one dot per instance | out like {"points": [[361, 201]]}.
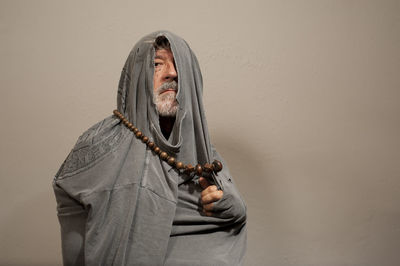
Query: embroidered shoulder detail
{"points": [[92, 145]]}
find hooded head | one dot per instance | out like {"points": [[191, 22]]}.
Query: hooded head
{"points": [[142, 95]]}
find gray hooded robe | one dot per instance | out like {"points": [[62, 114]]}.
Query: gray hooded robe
{"points": [[119, 204]]}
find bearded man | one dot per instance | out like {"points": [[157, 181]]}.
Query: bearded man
{"points": [[145, 186]]}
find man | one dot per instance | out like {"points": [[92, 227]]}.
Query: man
{"points": [[145, 186]]}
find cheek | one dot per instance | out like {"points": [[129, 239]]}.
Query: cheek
{"points": [[156, 81]]}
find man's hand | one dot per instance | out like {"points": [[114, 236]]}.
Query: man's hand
{"points": [[209, 195]]}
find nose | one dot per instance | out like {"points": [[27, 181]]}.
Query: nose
{"points": [[171, 74]]}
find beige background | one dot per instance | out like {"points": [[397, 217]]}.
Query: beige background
{"points": [[302, 99]]}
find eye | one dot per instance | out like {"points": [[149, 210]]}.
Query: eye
{"points": [[157, 63]]}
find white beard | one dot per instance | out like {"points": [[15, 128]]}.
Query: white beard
{"points": [[166, 103]]}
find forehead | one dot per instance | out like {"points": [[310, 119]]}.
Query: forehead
{"points": [[164, 54]]}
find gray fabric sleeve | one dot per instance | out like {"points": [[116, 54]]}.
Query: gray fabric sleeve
{"points": [[231, 206], [72, 217]]}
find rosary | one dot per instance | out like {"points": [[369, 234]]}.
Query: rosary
{"points": [[188, 169]]}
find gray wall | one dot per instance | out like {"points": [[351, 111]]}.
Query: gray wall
{"points": [[302, 99]]}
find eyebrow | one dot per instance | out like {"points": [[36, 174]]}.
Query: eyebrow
{"points": [[158, 57]]}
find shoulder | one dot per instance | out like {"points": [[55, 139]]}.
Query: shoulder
{"points": [[91, 146]]}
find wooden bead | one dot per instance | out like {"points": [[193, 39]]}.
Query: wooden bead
{"points": [[150, 144], [135, 130], [199, 169], [163, 155], [208, 167], [171, 161], [138, 134], [217, 166], [157, 150], [189, 168], [179, 165], [145, 139]]}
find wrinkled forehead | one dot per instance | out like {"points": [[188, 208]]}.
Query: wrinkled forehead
{"points": [[163, 54]]}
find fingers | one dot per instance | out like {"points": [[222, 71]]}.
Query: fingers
{"points": [[208, 207], [208, 190], [211, 197]]}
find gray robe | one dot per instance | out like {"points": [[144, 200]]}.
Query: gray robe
{"points": [[119, 204]]}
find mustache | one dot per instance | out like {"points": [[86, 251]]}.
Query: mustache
{"points": [[168, 85]]}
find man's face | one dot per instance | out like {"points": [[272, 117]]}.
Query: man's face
{"points": [[165, 83]]}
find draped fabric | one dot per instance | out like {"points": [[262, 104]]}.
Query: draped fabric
{"points": [[119, 204]]}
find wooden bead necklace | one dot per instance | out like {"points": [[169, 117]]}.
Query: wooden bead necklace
{"points": [[215, 166]]}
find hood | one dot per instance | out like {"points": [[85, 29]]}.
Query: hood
{"points": [[189, 139]]}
